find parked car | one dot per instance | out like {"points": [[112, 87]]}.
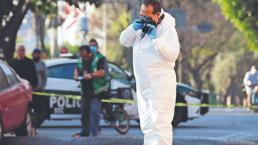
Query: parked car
{"points": [[60, 81], [15, 99], [190, 96]]}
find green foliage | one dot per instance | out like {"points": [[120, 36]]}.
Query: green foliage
{"points": [[97, 3], [244, 15], [72, 48], [48, 7], [117, 53], [224, 69], [199, 54], [233, 63]]}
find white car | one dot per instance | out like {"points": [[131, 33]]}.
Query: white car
{"points": [[60, 81]]}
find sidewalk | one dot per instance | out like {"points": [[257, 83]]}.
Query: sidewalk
{"points": [[229, 110]]}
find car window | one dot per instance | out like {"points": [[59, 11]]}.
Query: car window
{"points": [[10, 75], [117, 73], [3, 81], [61, 71]]}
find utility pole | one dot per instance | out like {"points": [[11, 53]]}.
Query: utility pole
{"points": [[105, 23], [54, 51], [136, 4]]}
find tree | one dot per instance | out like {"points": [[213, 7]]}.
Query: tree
{"points": [[229, 69], [12, 13], [198, 49], [116, 52], [42, 9], [97, 3], [243, 14], [11, 16], [119, 17]]}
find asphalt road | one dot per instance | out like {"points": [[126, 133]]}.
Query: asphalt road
{"points": [[219, 127]]}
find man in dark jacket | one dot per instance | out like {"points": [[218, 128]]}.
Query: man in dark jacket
{"points": [[24, 66]]}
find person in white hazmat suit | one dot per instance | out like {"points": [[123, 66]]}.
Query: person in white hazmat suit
{"points": [[154, 56]]}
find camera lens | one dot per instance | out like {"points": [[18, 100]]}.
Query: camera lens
{"points": [[146, 20], [145, 29]]}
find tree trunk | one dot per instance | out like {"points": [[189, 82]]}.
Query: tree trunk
{"points": [[230, 89], [40, 31], [197, 77], [8, 33]]}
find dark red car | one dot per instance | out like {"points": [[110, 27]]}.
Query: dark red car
{"points": [[15, 98]]}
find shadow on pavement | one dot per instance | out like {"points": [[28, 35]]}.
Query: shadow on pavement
{"points": [[189, 127], [72, 141], [110, 141]]}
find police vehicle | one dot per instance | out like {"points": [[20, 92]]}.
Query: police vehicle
{"points": [[60, 81]]}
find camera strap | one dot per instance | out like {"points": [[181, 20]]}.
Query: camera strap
{"points": [[161, 18], [142, 35]]}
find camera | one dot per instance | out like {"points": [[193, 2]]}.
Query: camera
{"points": [[145, 21]]}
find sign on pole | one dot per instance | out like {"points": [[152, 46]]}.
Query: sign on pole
{"points": [[181, 17]]}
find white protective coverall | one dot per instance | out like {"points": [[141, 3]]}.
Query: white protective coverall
{"points": [[154, 62]]}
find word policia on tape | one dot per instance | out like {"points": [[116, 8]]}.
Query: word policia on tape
{"points": [[127, 101]]}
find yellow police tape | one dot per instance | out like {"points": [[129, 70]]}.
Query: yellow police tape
{"points": [[128, 101], [76, 97]]}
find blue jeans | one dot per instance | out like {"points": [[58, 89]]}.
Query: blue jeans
{"points": [[85, 118], [95, 112]]}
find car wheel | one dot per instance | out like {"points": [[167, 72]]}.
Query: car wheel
{"points": [[27, 128], [41, 110], [1, 133], [180, 114]]}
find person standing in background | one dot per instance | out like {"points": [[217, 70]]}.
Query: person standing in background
{"points": [[40, 103], [25, 67], [40, 69], [250, 83]]}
